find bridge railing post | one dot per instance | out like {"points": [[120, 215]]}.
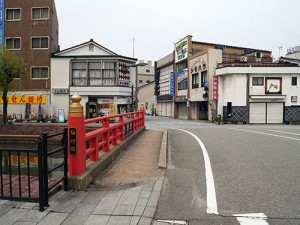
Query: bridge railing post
{"points": [[76, 137]]}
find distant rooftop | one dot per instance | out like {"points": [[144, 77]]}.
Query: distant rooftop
{"points": [[230, 46]]}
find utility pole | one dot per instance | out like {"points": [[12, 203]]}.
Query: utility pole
{"points": [[279, 49], [133, 40]]}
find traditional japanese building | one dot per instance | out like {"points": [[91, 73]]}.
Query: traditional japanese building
{"points": [[104, 79]]}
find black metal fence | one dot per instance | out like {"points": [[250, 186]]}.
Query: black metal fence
{"points": [[33, 166]]}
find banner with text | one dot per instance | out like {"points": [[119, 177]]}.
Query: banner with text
{"points": [[23, 99]]}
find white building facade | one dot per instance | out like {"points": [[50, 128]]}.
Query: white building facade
{"points": [[258, 93], [104, 80]]}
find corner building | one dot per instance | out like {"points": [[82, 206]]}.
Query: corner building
{"points": [[103, 78]]}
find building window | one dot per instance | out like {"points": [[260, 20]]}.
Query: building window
{"points": [[93, 74], [203, 78], [147, 71], [258, 55], [79, 74], [39, 73], [140, 81], [182, 85], [294, 81], [13, 43], [109, 73], [148, 81], [40, 13], [40, 42], [195, 81], [257, 81], [182, 75], [13, 14], [164, 80]]}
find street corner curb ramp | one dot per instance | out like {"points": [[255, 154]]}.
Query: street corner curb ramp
{"points": [[94, 168]]}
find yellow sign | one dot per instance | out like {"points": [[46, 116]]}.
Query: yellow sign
{"points": [[14, 160], [23, 99], [111, 111]]}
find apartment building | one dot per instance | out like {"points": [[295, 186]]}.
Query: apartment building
{"points": [[30, 29], [145, 73]]}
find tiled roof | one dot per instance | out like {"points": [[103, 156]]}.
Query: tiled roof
{"points": [[289, 60]]}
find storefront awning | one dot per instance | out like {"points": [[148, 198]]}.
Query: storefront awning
{"points": [[181, 98], [268, 97]]}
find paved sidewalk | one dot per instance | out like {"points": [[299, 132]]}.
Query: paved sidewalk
{"points": [[127, 193]]}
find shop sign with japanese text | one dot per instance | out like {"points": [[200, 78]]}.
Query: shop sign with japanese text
{"points": [[172, 83], [181, 50], [215, 88], [23, 99]]}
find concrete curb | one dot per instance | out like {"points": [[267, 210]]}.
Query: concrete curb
{"points": [[162, 163], [93, 169]]}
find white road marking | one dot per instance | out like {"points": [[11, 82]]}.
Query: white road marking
{"points": [[173, 222], [212, 207], [284, 132], [252, 219], [258, 132]]}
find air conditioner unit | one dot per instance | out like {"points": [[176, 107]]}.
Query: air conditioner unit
{"points": [[243, 59]]}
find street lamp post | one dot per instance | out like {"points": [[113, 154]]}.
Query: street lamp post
{"points": [[136, 81]]}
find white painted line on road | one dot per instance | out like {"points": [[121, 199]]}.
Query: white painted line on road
{"points": [[258, 132], [173, 222], [212, 207], [252, 219], [284, 132]]}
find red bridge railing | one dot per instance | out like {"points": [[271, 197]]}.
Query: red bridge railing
{"points": [[83, 145]]}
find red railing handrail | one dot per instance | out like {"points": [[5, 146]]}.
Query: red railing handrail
{"points": [[97, 119], [110, 134]]}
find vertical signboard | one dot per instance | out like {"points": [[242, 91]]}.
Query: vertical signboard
{"points": [[182, 76], [181, 50], [1, 22], [172, 83], [215, 88]]}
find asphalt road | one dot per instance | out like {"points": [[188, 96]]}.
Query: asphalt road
{"points": [[255, 170]]}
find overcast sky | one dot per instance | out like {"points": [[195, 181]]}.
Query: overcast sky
{"points": [[157, 24]]}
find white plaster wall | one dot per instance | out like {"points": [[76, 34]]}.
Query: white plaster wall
{"points": [[220, 95], [60, 74], [59, 79], [289, 90], [234, 89], [84, 50]]}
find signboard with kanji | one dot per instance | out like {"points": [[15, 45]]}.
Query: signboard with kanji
{"points": [[215, 88], [23, 99]]}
